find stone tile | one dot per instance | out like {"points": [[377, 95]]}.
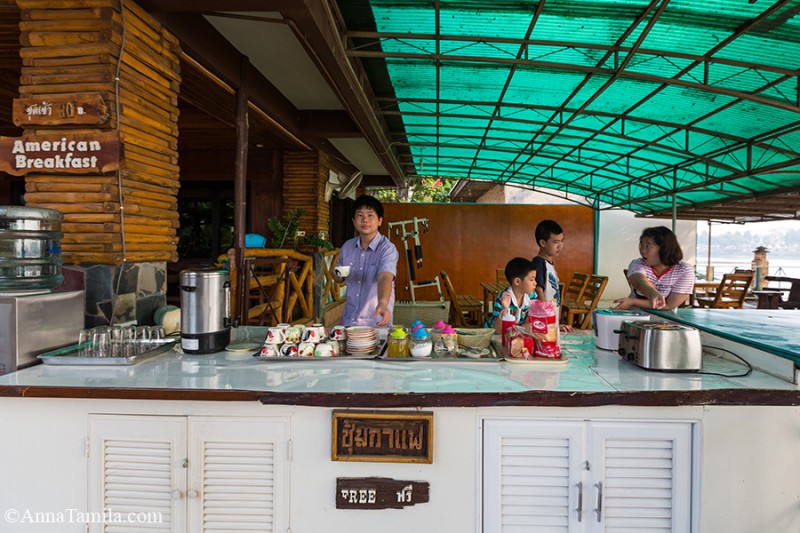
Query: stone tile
{"points": [[74, 279], [128, 282], [152, 279], [125, 308]]}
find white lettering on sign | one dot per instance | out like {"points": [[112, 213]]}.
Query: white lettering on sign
{"points": [[359, 495], [70, 148], [405, 494], [45, 109]]}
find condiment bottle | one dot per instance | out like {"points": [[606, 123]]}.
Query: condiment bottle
{"points": [[397, 343], [421, 345], [509, 320], [449, 339]]}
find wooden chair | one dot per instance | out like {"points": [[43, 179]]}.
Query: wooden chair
{"points": [[729, 294], [465, 310], [583, 308], [574, 290], [500, 275]]}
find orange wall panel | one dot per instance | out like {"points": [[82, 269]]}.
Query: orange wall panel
{"points": [[471, 241]]}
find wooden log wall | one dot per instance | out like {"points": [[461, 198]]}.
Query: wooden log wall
{"points": [[78, 46], [304, 177]]}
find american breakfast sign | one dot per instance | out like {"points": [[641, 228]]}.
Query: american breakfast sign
{"points": [[69, 154]]}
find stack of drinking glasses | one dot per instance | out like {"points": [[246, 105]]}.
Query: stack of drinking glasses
{"points": [[120, 341]]}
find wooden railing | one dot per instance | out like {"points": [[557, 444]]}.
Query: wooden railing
{"points": [[274, 286]]}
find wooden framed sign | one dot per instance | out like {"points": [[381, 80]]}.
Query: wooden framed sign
{"points": [[60, 154], [60, 110], [382, 436], [379, 493]]}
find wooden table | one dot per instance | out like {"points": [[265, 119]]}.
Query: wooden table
{"points": [[490, 291]]}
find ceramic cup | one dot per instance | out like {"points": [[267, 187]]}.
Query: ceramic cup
{"points": [[294, 334], [323, 349], [310, 335], [269, 350], [323, 333], [342, 271], [339, 333], [305, 349], [276, 335], [283, 326], [289, 350]]}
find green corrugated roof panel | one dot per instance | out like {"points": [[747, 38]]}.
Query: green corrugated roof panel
{"points": [[624, 101]]}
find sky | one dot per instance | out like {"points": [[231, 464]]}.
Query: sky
{"points": [[762, 228]]}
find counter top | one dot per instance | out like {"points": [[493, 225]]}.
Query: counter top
{"points": [[590, 377]]}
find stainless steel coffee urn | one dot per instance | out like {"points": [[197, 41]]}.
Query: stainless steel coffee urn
{"points": [[205, 310]]}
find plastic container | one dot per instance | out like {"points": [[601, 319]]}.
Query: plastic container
{"points": [[508, 321], [397, 343], [449, 339], [30, 248], [421, 344]]}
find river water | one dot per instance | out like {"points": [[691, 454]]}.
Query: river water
{"points": [[778, 265]]}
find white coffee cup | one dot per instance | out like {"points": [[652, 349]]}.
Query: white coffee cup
{"points": [[276, 335], [294, 334], [323, 349], [289, 350], [339, 333], [342, 271], [269, 350], [306, 349]]}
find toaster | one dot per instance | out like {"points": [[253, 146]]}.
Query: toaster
{"points": [[607, 324], [661, 346]]}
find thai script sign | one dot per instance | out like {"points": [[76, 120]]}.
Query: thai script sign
{"points": [[60, 110], [380, 493], [70, 154], [389, 436]]}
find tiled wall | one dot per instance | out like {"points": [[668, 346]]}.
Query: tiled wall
{"points": [[140, 290]]}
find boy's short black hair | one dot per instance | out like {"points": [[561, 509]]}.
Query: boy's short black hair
{"points": [[669, 250], [547, 228], [519, 267], [365, 200]]}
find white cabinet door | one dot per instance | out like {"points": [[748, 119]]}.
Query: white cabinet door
{"points": [[642, 476], [164, 474], [533, 476], [584, 476], [136, 474], [237, 471]]}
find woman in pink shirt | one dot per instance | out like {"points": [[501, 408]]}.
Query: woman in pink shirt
{"points": [[660, 278]]}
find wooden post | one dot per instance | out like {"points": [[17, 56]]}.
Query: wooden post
{"points": [[91, 69], [240, 176]]}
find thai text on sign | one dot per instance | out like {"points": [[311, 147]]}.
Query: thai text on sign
{"points": [[382, 436], [60, 110], [72, 154], [380, 493]]}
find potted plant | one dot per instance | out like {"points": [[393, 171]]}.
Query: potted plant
{"points": [[284, 229]]}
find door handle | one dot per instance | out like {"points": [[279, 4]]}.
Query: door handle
{"points": [[599, 508], [191, 493], [177, 495], [579, 510]]}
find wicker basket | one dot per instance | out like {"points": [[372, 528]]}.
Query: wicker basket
{"points": [[475, 337]]}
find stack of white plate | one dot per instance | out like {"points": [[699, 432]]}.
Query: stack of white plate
{"points": [[361, 340]]}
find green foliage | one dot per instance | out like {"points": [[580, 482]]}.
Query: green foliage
{"points": [[283, 230], [312, 239], [422, 190]]}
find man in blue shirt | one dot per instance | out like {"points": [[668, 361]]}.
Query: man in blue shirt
{"points": [[372, 259]]}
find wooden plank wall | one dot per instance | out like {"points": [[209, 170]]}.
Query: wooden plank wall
{"points": [[76, 46], [471, 241], [304, 177]]}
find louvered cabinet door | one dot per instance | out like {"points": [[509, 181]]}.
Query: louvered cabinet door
{"points": [[136, 474], [642, 476], [237, 475], [533, 476]]}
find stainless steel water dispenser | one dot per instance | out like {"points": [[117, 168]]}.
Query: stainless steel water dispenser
{"points": [[205, 310]]}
